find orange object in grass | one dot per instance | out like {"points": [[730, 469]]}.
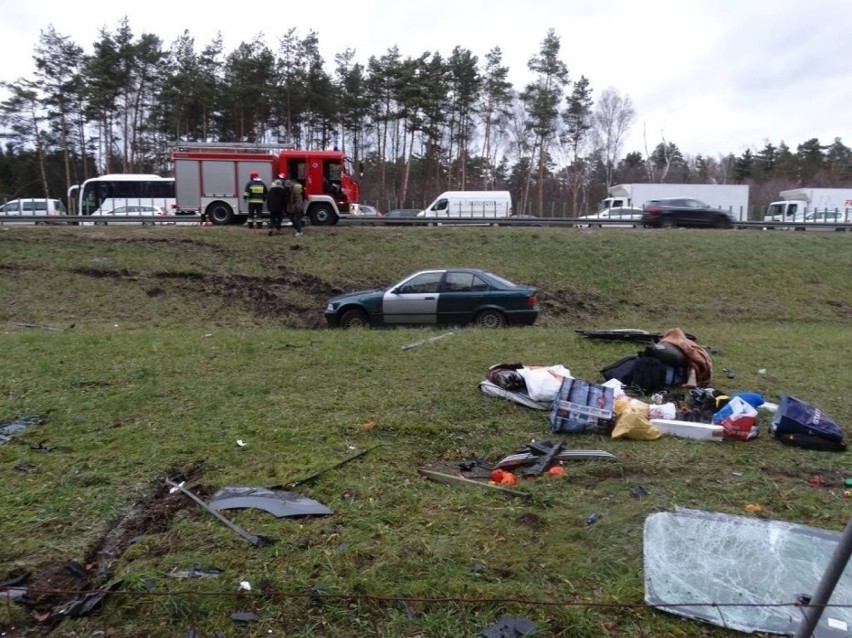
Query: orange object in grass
{"points": [[556, 470], [497, 475], [508, 479]]}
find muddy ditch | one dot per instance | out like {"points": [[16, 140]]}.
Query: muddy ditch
{"points": [[72, 588]]}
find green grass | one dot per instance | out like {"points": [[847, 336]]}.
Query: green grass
{"points": [[188, 339]]}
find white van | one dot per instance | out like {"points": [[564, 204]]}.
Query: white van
{"points": [[32, 207], [474, 204]]}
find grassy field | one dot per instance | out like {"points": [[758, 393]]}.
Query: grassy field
{"points": [[148, 353]]}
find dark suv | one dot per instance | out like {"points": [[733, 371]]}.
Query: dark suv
{"points": [[684, 211]]}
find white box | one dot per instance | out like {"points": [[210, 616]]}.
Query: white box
{"points": [[689, 430]]}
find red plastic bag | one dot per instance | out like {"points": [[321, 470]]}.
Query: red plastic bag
{"points": [[737, 418]]}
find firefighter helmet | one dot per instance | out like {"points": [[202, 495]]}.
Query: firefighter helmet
{"points": [[254, 175]]}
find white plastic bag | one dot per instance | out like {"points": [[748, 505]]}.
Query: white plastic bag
{"points": [[662, 411], [543, 382]]}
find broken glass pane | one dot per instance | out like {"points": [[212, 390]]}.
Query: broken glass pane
{"points": [[10, 428], [747, 573]]}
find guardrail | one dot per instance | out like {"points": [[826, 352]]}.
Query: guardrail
{"points": [[88, 220], [570, 222], [551, 222]]}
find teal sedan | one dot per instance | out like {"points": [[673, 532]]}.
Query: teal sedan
{"points": [[447, 296]]}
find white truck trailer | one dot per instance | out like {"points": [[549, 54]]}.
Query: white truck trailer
{"points": [[797, 203], [730, 197]]}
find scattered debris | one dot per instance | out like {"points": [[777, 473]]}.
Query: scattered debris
{"points": [[690, 429], [526, 455], [509, 627], [626, 334], [277, 502], [638, 492], [457, 479], [257, 541], [12, 589], [13, 594], [417, 344], [196, 572], [87, 603], [244, 617], [502, 477], [804, 425], [518, 396], [581, 407], [315, 475], [176, 488], [50, 328], [407, 609], [21, 423], [545, 453]]}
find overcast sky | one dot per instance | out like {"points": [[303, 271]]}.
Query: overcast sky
{"points": [[712, 76]]}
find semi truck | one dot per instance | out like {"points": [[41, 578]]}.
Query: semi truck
{"points": [[797, 204], [210, 179], [626, 200]]}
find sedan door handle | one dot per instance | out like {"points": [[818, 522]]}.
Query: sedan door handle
{"points": [[428, 298]]}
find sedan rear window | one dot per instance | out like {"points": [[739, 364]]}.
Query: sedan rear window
{"points": [[504, 282]]}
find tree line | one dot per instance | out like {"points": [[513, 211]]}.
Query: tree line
{"points": [[420, 125]]}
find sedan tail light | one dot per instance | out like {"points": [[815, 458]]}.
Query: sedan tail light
{"points": [[532, 301], [654, 210]]}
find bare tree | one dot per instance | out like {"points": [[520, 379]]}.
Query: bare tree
{"points": [[614, 115]]}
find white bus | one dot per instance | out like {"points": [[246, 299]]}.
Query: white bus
{"points": [[106, 193]]}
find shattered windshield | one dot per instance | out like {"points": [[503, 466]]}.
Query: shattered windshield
{"points": [[748, 572]]}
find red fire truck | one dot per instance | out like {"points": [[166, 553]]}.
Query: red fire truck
{"points": [[210, 178]]}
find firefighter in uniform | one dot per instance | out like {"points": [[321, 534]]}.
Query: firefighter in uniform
{"points": [[255, 194], [276, 202]]}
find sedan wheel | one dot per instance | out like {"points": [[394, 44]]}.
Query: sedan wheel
{"points": [[667, 222], [490, 319], [354, 318]]}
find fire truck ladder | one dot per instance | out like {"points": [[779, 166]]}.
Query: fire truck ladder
{"points": [[231, 147]]}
